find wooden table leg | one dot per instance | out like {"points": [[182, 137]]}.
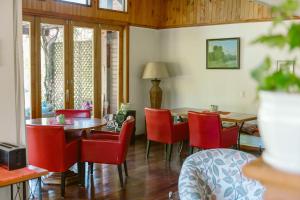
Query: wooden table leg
{"points": [[239, 135], [40, 188], [11, 192], [24, 190]]}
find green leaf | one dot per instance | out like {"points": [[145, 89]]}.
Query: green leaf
{"points": [[262, 71], [294, 36], [286, 8], [272, 40]]}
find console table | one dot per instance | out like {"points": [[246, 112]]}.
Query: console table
{"points": [[9, 178]]}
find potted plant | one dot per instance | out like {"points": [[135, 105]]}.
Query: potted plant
{"points": [[279, 93]]}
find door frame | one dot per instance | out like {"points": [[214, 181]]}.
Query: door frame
{"points": [[35, 25]]}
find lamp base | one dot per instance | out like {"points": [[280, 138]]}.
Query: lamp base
{"points": [[155, 94]]}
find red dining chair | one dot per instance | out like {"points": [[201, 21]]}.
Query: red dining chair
{"points": [[206, 131], [48, 149], [107, 148], [160, 128], [69, 113]]}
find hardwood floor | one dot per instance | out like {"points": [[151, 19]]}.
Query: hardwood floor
{"points": [[150, 179]]}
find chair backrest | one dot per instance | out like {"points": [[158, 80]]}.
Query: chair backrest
{"points": [[205, 129], [46, 147], [69, 113], [125, 134], [159, 125]]}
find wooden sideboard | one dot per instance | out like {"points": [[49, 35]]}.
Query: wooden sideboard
{"points": [[279, 185]]}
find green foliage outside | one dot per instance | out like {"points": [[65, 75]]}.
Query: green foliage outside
{"points": [[282, 80]]}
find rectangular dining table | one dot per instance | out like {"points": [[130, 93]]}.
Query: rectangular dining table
{"points": [[237, 118]]}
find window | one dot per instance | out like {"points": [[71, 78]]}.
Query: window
{"points": [[83, 2], [119, 5], [110, 64], [83, 67], [52, 68], [27, 67]]}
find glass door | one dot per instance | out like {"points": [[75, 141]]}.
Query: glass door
{"points": [[83, 70], [111, 69], [52, 71]]}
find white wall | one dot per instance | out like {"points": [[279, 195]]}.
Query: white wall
{"points": [[7, 100], [192, 85], [144, 47], [7, 84]]}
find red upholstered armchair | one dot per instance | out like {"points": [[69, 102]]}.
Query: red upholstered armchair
{"points": [[107, 148], [68, 113], [206, 131], [160, 128], [48, 149]]}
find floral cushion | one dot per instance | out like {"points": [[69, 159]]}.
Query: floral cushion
{"points": [[217, 174]]}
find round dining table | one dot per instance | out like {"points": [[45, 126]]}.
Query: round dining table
{"points": [[71, 124]]}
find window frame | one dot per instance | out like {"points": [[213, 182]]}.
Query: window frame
{"points": [[87, 4], [125, 7]]}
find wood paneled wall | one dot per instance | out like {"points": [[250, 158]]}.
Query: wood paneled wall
{"points": [[140, 12], [179, 13], [156, 13]]}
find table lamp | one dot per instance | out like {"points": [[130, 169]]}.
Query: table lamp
{"points": [[155, 71]]}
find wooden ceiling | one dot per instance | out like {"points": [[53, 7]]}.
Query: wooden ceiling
{"points": [[156, 13]]}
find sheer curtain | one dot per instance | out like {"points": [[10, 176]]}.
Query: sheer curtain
{"points": [[19, 77]]}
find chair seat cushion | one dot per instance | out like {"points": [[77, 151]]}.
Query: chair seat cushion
{"points": [[217, 174]]}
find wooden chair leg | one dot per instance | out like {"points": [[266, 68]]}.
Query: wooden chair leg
{"points": [[120, 175], [191, 149], [91, 168], [181, 147], [166, 151], [148, 148], [125, 168], [63, 184], [170, 152], [81, 173]]}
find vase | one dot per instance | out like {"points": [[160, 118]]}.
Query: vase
{"points": [[279, 124]]}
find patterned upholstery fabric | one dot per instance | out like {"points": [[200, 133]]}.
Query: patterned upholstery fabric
{"points": [[217, 174]]}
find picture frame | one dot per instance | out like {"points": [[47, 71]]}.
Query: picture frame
{"points": [[288, 65], [223, 53]]}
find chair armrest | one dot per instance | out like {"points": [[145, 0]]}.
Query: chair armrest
{"points": [[182, 129], [231, 129], [229, 136], [104, 136], [101, 151]]}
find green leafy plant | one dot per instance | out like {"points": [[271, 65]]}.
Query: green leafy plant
{"points": [[282, 80]]}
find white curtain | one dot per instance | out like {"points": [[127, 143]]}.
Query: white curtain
{"points": [[19, 77]]}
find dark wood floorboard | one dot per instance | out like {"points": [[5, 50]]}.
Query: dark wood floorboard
{"points": [[150, 179]]}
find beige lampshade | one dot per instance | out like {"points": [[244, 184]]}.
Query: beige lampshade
{"points": [[155, 70]]}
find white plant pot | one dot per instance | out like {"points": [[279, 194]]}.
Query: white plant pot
{"points": [[279, 123]]}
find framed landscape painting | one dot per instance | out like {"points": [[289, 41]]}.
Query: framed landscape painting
{"points": [[223, 53]]}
